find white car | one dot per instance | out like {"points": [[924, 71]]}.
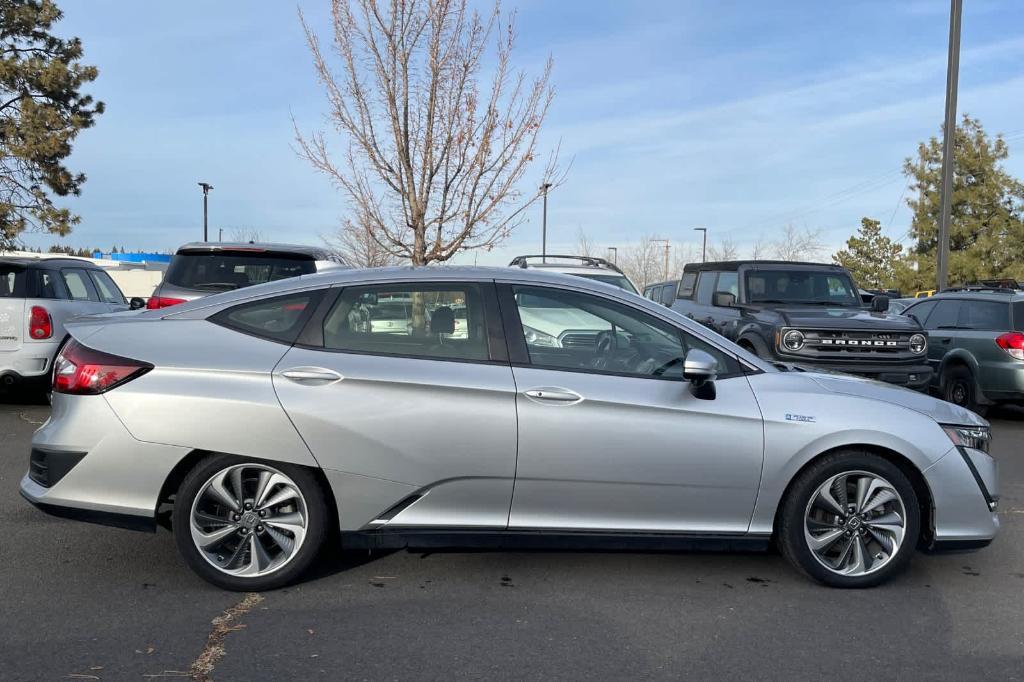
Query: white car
{"points": [[37, 296]]}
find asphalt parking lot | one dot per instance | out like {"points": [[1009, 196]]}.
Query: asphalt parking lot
{"points": [[88, 602]]}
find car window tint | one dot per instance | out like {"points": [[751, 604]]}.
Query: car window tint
{"points": [[12, 281], [989, 315], [443, 321], [107, 289], [920, 311], [945, 315], [728, 282], [79, 286], [668, 294], [706, 287], [278, 319], [686, 285], [227, 270], [1018, 316], [569, 330]]}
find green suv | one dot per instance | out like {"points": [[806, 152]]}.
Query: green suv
{"points": [[975, 345]]}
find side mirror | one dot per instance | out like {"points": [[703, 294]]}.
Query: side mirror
{"points": [[700, 369], [136, 303], [880, 304], [723, 299]]}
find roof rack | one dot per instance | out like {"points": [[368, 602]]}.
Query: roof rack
{"points": [[977, 288], [589, 261]]}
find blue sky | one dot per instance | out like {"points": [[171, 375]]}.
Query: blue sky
{"points": [[737, 116]]}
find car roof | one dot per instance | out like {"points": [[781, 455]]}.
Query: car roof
{"points": [[49, 263], [316, 252], [733, 265], [1001, 295]]}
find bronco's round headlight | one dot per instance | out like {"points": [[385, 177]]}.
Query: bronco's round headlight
{"points": [[918, 343], [793, 340]]}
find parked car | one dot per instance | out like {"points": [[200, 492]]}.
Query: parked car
{"points": [[37, 297], [202, 268], [805, 313], [662, 292], [925, 293], [258, 423], [589, 267], [977, 345]]}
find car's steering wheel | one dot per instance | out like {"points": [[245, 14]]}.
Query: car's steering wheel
{"points": [[605, 346]]}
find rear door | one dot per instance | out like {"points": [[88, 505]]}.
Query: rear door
{"points": [[12, 306], [421, 402], [942, 326]]}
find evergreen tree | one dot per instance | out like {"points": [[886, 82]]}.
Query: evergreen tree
{"points": [[42, 109], [876, 261]]}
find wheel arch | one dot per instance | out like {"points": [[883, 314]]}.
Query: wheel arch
{"points": [[925, 499], [165, 501]]}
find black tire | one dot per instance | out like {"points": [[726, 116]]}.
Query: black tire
{"points": [[790, 536], [959, 388], [318, 522]]}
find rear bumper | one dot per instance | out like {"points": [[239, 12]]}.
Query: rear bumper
{"points": [[31, 361]]}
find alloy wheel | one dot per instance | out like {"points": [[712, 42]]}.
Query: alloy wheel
{"points": [[855, 523], [249, 520]]}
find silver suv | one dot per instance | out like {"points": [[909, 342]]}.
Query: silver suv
{"points": [[37, 296], [588, 267], [202, 268]]}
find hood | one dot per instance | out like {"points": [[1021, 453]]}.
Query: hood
{"points": [[858, 319], [939, 410]]}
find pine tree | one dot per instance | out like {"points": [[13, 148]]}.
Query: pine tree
{"points": [[876, 261]]}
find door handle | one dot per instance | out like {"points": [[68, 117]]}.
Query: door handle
{"points": [[311, 375], [553, 396]]}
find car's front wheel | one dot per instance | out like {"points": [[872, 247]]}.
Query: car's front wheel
{"points": [[249, 525], [851, 519]]}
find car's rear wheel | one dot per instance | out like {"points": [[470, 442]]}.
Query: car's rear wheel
{"points": [[851, 519], [958, 387], [248, 525]]}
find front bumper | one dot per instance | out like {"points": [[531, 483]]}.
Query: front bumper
{"points": [[965, 491], [915, 376], [85, 465]]}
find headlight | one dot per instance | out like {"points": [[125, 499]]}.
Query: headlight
{"points": [[918, 343], [535, 337], [976, 437], [793, 340]]}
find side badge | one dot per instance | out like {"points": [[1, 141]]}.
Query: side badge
{"points": [[799, 418]]}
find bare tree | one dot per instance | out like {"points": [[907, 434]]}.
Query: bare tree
{"points": [[585, 245], [245, 234], [761, 249], [433, 161], [725, 250], [798, 245], [355, 246], [682, 254], [643, 262]]}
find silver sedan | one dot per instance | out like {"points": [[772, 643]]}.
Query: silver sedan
{"points": [[261, 423]]}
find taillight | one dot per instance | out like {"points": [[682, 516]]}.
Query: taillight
{"points": [[80, 370], [40, 326], [157, 302], [1012, 343]]}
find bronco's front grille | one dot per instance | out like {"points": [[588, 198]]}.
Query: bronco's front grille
{"points": [[881, 345]]}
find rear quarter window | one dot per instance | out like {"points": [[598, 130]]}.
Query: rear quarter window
{"points": [[12, 282], [687, 284], [1018, 316], [277, 319]]}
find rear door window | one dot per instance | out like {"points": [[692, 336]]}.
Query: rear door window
{"points": [[79, 285], [108, 291], [706, 287], [985, 315], [224, 271], [945, 316], [668, 294]]}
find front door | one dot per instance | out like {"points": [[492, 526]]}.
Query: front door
{"points": [[611, 438]]}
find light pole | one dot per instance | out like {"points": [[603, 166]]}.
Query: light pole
{"points": [[667, 247], [704, 246], [948, 138], [544, 230], [613, 251], [206, 191]]}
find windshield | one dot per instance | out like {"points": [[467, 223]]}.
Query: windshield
{"points": [[619, 281], [801, 286], [224, 271]]}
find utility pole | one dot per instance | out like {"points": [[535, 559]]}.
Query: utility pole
{"points": [[613, 251], [667, 247], [948, 139], [220, 234], [544, 234], [704, 247], [206, 191]]}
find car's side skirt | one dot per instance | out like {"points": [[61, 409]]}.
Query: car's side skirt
{"points": [[453, 538]]}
